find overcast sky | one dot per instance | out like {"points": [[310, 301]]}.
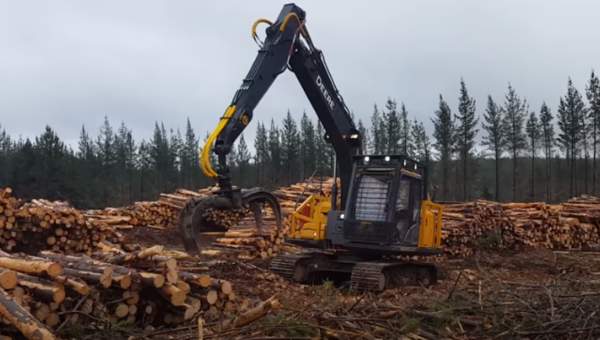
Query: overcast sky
{"points": [[68, 63]]}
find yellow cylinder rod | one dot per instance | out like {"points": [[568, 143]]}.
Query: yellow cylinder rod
{"points": [[204, 157]]}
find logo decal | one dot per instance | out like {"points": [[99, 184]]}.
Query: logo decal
{"points": [[328, 98]]}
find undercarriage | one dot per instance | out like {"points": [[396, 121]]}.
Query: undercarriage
{"points": [[363, 274]]}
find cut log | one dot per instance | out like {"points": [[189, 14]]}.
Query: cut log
{"points": [[49, 268], [22, 320], [173, 294], [8, 279], [253, 314], [43, 289]]}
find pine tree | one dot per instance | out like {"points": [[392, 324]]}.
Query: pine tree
{"points": [[422, 144], [175, 146], [377, 132], [86, 147], [145, 165], [495, 139], [444, 141], [105, 144], [515, 110], [290, 148], [364, 135], [585, 129], [189, 157], [570, 111], [160, 156], [6, 151], [465, 133], [593, 96], [533, 135], [124, 148], [547, 127], [50, 168], [322, 152], [307, 147], [261, 145], [391, 122], [406, 145], [243, 159], [275, 152]]}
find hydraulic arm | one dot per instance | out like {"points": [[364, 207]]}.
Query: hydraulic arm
{"points": [[287, 46]]}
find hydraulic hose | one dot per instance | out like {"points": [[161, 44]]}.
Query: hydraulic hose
{"points": [[205, 163]]}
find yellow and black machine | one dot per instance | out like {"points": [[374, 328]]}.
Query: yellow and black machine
{"points": [[386, 215], [379, 214]]}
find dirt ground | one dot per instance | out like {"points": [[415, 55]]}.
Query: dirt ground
{"points": [[494, 294]]}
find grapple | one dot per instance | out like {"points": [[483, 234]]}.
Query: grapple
{"points": [[255, 208]]}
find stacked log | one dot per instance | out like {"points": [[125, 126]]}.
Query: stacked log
{"points": [[42, 224], [465, 224], [161, 214], [292, 196], [269, 240], [574, 224], [38, 293]]}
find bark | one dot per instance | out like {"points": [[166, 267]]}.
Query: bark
{"points": [[22, 319]]}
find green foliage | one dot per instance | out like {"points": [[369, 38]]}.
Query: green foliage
{"points": [[571, 122], [515, 110], [443, 133], [111, 167], [465, 133], [421, 142], [288, 327], [495, 138], [378, 140], [307, 146], [290, 148], [392, 127]]}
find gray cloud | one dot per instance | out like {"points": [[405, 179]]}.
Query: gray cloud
{"points": [[68, 63]]}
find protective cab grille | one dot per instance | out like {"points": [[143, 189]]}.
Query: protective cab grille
{"points": [[371, 210], [371, 199]]}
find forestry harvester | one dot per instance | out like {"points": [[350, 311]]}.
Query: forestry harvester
{"points": [[380, 212]]}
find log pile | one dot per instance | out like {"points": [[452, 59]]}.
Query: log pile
{"points": [[160, 214], [238, 228], [148, 287], [250, 242], [464, 224], [574, 224], [292, 196], [42, 224]]}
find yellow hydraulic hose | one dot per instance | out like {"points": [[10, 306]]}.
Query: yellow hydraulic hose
{"points": [[204, 156], [287, 18], [256, 23]]}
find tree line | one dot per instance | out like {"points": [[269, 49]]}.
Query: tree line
{"points": [[507, 152], [113, 169], [531, 159]]}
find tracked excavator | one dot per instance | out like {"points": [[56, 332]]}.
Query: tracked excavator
{"points": [[366, 229]]}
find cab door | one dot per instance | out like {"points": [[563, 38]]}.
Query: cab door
{"points": [[407, 210]]}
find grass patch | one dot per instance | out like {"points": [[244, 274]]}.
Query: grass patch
{"points": [[285, 326]]}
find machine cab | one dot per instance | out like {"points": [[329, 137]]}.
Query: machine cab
{"points": [[385, 206]]}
